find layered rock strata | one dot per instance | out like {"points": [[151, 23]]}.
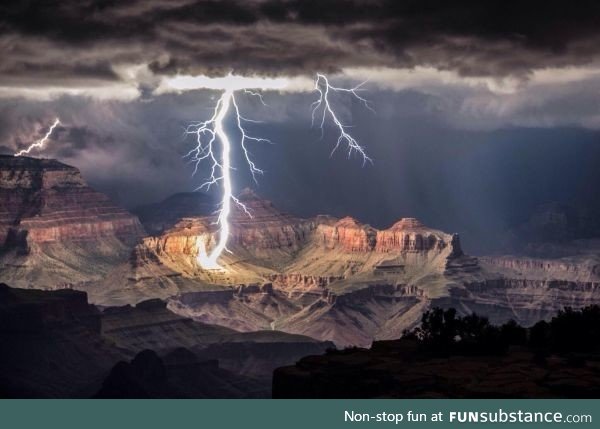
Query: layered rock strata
{"points": [[44, 201], [54, 229]]}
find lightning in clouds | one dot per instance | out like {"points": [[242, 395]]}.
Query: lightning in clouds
{"points": [[40, 143], [210, 136], [323, 107]]}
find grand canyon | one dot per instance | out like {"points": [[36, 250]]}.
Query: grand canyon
{"points": [[120, 299]]}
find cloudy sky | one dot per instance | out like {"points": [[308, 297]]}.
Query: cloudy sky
{"points": [[483, 110]]}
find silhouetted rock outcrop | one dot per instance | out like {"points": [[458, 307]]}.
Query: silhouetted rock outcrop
{"points": [[454, 357], [51, 344], [179, 374], [56, 345]]}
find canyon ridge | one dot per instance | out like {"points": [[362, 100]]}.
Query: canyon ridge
{"points": [[325, 278]]}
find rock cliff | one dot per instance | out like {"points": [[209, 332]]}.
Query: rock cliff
{"points": [[347, 235], [347, 282], [52, 222], [332, 279], [527, 289], [47, 201]]}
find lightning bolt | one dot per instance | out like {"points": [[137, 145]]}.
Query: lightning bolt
{"points": [[207, 133], [211, 132], [323, 107], [40, 143]]}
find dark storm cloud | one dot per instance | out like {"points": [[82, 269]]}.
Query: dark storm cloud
{"points": [[479, 103], [72, 39], [130, 150]]}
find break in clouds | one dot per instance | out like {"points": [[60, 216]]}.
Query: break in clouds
{"points": [[478, 67]]}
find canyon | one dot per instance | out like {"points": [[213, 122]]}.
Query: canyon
{"points": [[337, 279], [332, 279]]}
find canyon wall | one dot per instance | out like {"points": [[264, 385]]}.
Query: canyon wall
{"points": [[44, 201], [579, 268], [406, 235], [54, 229]]}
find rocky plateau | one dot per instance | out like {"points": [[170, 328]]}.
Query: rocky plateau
{"points": [[337, 279], [331, 279]]}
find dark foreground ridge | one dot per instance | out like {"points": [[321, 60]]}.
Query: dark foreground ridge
{"points": [[460, 357], [56, 345]]}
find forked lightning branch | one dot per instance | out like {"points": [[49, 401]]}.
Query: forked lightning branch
{"points": [[213, 147]]}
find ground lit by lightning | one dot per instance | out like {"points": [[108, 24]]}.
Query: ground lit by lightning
{"points": [[210, 133], [40, 143]]}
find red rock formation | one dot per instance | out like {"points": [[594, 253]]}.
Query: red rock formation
{"points": [[302, 282], [406, 235], [43, 200], [269, 233], [182, 239], [347, 234], [410, 235], [267, 229]]}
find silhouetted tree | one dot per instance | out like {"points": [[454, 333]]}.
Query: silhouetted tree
{"points": [[539, 334], [513, 334], [575, 330], [443, 332]]}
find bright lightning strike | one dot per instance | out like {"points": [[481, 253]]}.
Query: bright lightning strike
{"points": [[40, 143], [207, 133], [211, 132], [323, 105]]}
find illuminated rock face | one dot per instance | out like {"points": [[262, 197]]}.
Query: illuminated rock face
{"points": [[340, 280], [410, 235], [348, 235], [331, 279], [267, 232], [44, 201], [406, 235], [181, 239], [268, 228]]}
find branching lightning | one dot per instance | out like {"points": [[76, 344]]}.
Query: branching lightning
{"points": [[208, 134], [40, 143], [323, 105]]}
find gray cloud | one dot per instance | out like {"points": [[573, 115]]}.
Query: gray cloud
{"points": [[467, 93], [83, 43]]}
